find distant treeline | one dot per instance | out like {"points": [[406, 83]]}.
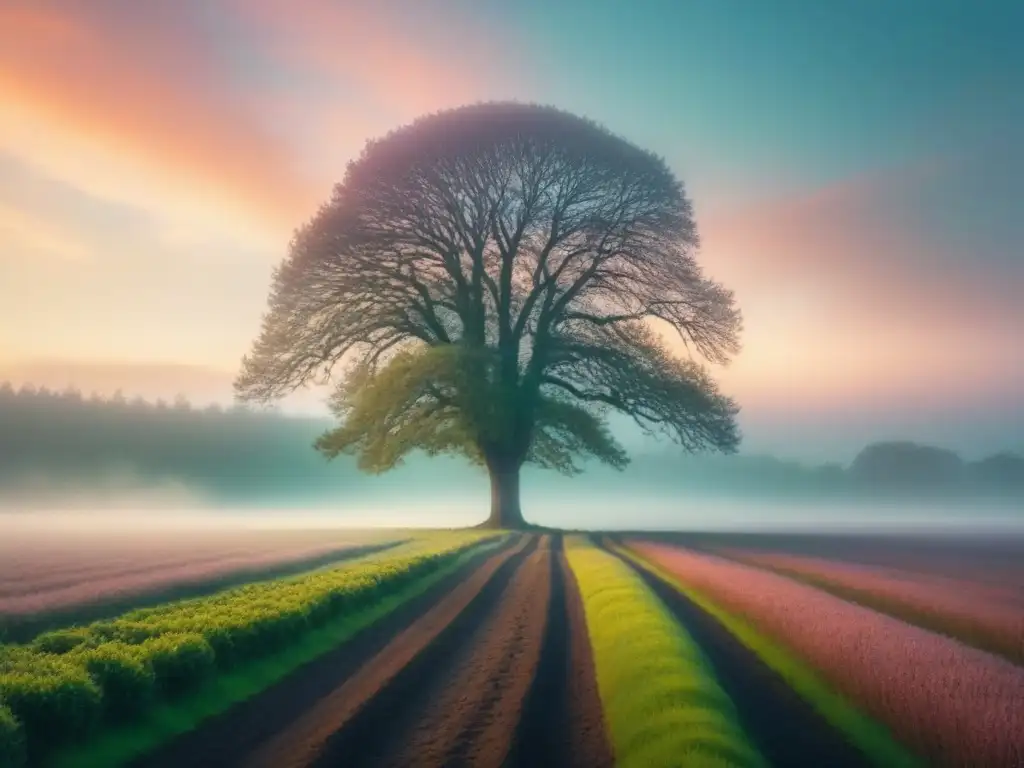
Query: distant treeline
{"points": [[68, 438], [898, 468], [65, 438]]}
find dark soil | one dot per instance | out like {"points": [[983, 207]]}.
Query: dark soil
{"points": [[588, 744], [543, 735], [362, 720], [466, 713], [487, 678], [784, 727], [230, 738]]}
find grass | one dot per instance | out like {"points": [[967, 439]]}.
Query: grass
{"points": [[119, 745], [661, 702], [869, 736]]}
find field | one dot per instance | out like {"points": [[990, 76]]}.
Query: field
{"points": [[53, 577], [532, 649]]}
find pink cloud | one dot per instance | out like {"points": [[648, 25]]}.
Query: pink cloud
{"points": [[156, 92], [849, 300], [853, 245], [157, 84]]}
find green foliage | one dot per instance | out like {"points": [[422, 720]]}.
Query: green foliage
{"points": [[125, 676], [421, 399], [180, 662], [52, 697], [61, 640], [12, 740], [113, 669], [441, 399], [122, 630], [128, 744], [565, 430], [662, 704], [490, 275]]}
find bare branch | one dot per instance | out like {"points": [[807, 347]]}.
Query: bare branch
{"points": [[539, 246]]}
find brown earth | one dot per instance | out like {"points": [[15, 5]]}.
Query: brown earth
{"points": [[474, 707], [361, 719], [563, 722], [227, 739], [492, 671]]}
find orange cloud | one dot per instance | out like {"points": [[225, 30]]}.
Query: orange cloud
{"points": [[155, 96], [147, 102]]}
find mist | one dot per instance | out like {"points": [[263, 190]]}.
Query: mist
{"points": [[70, 459], [442, 493]]}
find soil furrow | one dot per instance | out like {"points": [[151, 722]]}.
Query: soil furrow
{"points": [[562, 723], [230, 738], [784, 726], [356, 722], [469, 714], [544, 729]]}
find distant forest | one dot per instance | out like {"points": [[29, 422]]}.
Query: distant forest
{"points": [[50, 439]]}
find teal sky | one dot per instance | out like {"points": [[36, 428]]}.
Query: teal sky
{"points": [[856, 170]]}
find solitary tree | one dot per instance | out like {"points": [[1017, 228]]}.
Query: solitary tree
{"points": [[490, 281]]}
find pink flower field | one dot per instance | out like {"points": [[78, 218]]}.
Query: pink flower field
{"points": [[45, 574], [952, 704], [981, 615]]}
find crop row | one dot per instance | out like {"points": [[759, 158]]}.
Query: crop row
{"points": [[968, 612], [950, 703], [661, 702], [60, 688]]}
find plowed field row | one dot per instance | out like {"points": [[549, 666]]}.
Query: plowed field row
{"points": [[514, 659], [479, 671]]}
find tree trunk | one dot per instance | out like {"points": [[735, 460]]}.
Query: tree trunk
{"points": [[505, 509]]}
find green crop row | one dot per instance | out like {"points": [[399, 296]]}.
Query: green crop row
{"points": [[60, 688], [661, 702]]}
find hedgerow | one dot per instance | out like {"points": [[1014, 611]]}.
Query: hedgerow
{"points": [[662, 704], [125, 676], [12, 740], [60, 688], [54, 699], [61, 640]]}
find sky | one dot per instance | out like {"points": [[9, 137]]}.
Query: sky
{"points": [[855, 168]]}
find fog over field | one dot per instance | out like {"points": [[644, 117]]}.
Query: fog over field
{"points": [[75, 463], [558, 503]]}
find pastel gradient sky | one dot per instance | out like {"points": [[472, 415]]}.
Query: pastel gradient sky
{"points": [[856, 167]]}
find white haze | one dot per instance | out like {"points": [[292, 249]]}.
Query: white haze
{"points": [[160, 508]]}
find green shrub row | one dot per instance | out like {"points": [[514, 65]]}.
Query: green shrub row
{"points": [[12, 740], [661, 702], [61, 687]]}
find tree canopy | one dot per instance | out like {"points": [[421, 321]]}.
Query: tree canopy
{"points": [[491, 281]]}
